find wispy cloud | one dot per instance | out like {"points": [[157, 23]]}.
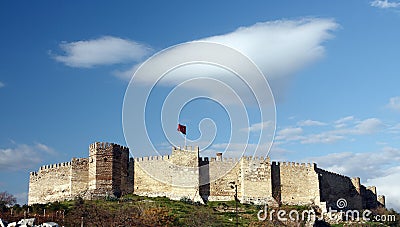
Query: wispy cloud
{"points": [[367, 165], [394, 103], [106, 50], [384, 4], [364, 127], [368, 126], [290, 134], [310, 123], [386, 184], [344, 119], [324, 137], [379, 168], [2, 84], [342, 122], [259, 126], [23, 156]]}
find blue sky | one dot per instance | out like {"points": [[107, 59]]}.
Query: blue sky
{"points": [[332, 67]]}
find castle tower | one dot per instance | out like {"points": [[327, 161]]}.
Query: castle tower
{"points": [[371, 198], [381, 200], [356, 184], [185, 172], [108, 169]]}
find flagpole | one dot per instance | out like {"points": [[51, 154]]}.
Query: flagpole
{"points": [[185, 140]]}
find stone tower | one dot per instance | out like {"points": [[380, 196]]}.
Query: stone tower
{"points": [[185, 178], [108, 170]]}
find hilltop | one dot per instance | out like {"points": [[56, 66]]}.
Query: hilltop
{"points": [[133, 210]]}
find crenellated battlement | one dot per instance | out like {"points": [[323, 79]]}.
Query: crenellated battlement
{"points": [[332, 173], [152, 158], [186, 148], [257, 158], [294, 164], [202, 159], [55, 166], [108, 170], [235, 159], [372, 189], [214, 159], [79, 160], [106, 145]]}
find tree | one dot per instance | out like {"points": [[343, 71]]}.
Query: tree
{"points": [[7, 199]]}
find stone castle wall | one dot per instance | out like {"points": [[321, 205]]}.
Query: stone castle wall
{"points": [[334, 186], [79, 177], [298, 183], [108, 171], [104, 173], [58, 182], [177, 175], [144, 183], [213, 186], [256, 180]]}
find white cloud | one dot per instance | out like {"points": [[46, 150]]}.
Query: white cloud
{"points": [[367, 165], [279, 48], [321, 138], [310, 123], [388, 185], [364, 127], [289, 134], [368, 126], [342, 122], [23, 156], [384, 4], [394, 103], [344, 119], [2, 84], [106, 50], [127, 74], [380, 168], [259, 126]]}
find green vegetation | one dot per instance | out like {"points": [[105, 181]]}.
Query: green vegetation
{"points": [[132, 210]]}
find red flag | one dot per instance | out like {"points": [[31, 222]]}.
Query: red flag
{"points": [[182, 129]]}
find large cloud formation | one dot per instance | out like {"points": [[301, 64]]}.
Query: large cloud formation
{"points": [[279, 48]]}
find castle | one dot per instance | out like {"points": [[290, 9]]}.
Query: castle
{"points": [[108, 171]]}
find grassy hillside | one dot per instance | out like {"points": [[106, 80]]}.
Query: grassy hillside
{"points": [[143, 211]]}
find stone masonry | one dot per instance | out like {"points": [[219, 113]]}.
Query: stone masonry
{"points": [[108, 171]]}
